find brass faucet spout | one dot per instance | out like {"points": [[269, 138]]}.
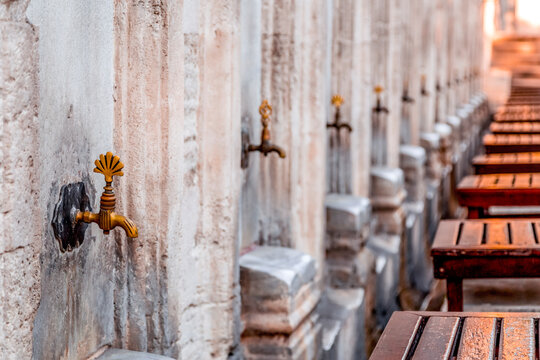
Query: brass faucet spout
{"points": [[126, 224], [278, 150]]}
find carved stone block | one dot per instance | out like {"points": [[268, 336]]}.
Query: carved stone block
{"points": [[412, 160], [346, 214], [278, 289], [344, 333], [303, 344], [387, 249]]}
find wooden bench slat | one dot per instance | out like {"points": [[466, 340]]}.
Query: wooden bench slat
{"points": [[522, 233], [505, 180], [447, 232], [471, 234], [399, 333], [477, 339], [437, 339], [517, 339], [522, 181], [535, 183], [497, 233]]}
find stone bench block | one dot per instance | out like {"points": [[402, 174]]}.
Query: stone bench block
{"points": [[379, 202], [305, 343], [391, 221], [346, 269], [278, 289], [119, 354], [386, 182], [347, 214], [445, 133], [344, 332], [431, 142], [412, 160]]}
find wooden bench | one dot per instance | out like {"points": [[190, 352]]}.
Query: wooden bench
{"points": [[528, 127], [511, 143], [489, 248], [508, 163], [420, 335], [479, 192]]}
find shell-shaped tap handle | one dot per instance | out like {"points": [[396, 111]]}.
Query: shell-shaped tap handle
{"points": [[109, 165], [265, 110], [337, 100]]}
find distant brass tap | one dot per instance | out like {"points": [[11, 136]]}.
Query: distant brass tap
{"points": [[337, 101], [423, 90], [266, 147], [406, 98], [378, 105], [107, 219]]}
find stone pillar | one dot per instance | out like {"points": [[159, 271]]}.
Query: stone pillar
{"points": [[445, 134], [434, 172], [419, 274], [348, 305], [20, 215], [388, 243], [288, 209], [279, 294]]}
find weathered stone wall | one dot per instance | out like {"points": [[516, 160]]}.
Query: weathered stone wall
{"points": [[75, 126], [171, 87], [282, 201], [206, 302], [20, 215]]}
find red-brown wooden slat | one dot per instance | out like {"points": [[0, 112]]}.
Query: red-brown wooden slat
{"points": [[535, 183], [522, 181], [505, 180], [488, 181], [472, 233], [469, 181], [477, 339], [446, 234], [397, 337], [497, 233], [437, 339], [517, 339], [522, 233]]}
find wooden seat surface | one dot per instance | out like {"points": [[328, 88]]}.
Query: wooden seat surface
{"points": [[505, 163], [489, 248], [479, 192], [420, 335], [526, 127], [510, 143], [486, 237]]}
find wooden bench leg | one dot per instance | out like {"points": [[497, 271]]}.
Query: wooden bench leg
{"points": [[454, 294], [475, 213]]}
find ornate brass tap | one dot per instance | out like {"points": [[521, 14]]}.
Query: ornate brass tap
{"points": [[107, 219], [378, 105], [438, 87], [337, 101], [266, 147]]}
